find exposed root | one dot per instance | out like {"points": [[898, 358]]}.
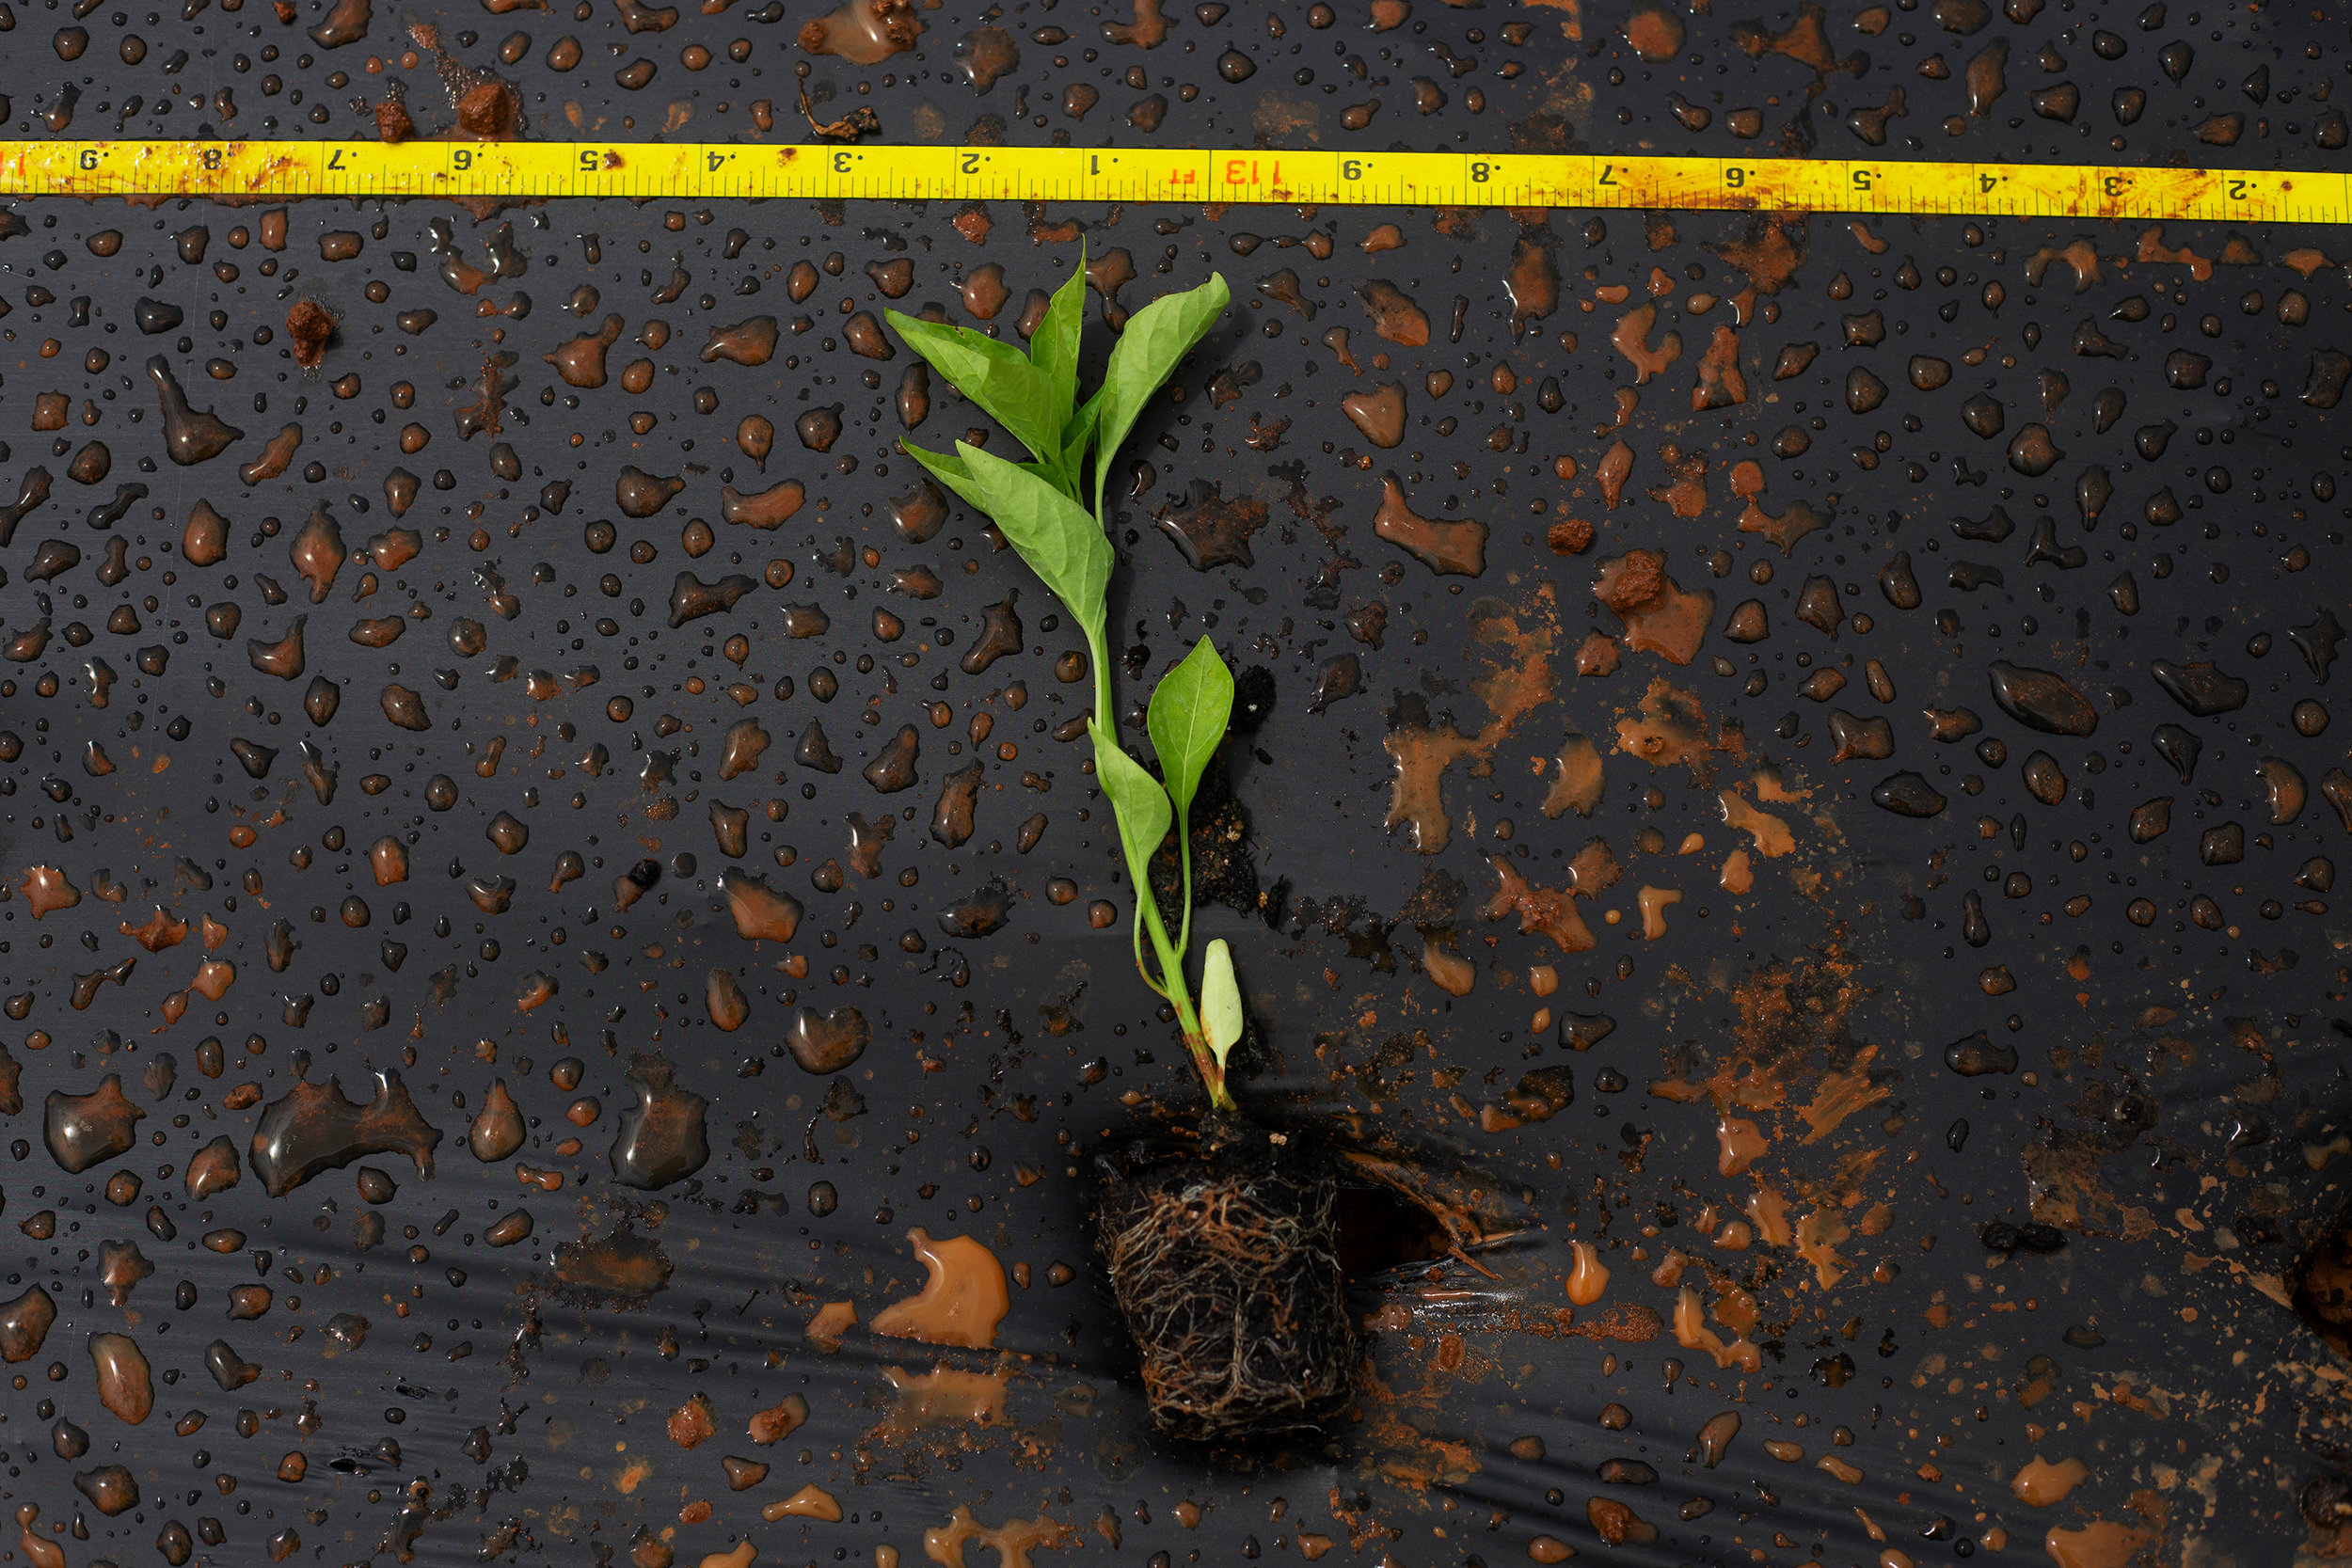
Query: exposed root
{"points": [[860, 121], [1226, 1270], [1461, 1230]]}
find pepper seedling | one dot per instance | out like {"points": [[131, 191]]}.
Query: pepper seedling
{"points": [[1050, 509]]}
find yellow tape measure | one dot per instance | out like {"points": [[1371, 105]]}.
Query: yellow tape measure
{"points": [[714, 170]]}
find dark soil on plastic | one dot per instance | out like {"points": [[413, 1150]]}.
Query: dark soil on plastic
{"points": [[2321, 1282], [1224, 865], [1225, 1260]]}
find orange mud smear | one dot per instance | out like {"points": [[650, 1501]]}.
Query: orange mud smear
{"points": [[1589, 1277], [1420, 753], [863, 32], [960, 1304], [1012, 1542], [2039, 1483], [943, 1398]]}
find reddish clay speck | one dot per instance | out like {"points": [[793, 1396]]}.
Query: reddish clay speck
{"points": [[1569, 536], [393, 124], [311, 326]]}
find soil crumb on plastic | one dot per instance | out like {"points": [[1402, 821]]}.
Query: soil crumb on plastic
{"points": [[311, 326]]}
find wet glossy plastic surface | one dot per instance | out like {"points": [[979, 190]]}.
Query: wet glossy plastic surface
{"points": [[539, 855]]}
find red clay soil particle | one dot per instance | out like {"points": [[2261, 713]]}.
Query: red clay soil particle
{"points": [[485, 109], [1569, 536], [1226, 1269], [311, 326], [693, 1422], [1632, 580], [393, 124]]}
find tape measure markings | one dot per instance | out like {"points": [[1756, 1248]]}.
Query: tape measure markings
{"points": [[720, 170]]}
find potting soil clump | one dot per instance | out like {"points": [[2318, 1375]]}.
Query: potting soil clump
{"points": [[1225, 1267]]}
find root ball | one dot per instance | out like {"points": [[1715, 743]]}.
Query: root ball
{"points": [[1225, 1267]]}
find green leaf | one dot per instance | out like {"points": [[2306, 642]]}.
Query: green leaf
{"points": [[1221, 999], [1155, 341], [1053, 347], [1189, 711], [1143, 812], [996, 376], [1058, 538], [947, 468]]}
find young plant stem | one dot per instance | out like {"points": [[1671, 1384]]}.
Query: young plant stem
{"points": [[1188, 1021], [1040, 506], [1170, 984], [1183, 840]]}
